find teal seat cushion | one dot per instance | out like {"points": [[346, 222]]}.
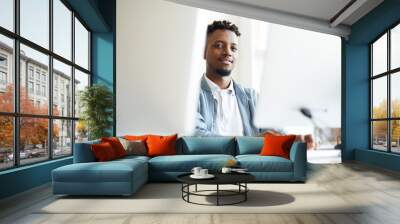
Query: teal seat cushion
{"points": [[111, 171], [249, 145], [185, 163], [132, 158], [257, 163], [206, 145]]}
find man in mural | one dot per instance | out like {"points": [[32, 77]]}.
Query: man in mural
{"points": [[225, 108]]}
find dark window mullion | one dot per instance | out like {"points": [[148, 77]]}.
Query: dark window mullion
{"points": [[50, 87], [371, 137], [16, 83], [389, 104], [73, 81]]}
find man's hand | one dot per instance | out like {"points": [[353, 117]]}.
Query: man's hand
{"points": [[308, 139]]}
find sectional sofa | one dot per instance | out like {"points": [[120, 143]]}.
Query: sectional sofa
{"points": [[125, 176]]}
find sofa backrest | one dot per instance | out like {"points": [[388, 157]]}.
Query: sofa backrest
{"points": [[206, 145], [83, 152], [249, 145]]}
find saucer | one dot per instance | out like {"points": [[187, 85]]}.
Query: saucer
{"points": [[208, 176]]}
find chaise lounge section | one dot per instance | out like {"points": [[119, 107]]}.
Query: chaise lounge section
{"points": [[125, 176]]}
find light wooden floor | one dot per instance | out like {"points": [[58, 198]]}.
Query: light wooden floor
{"points": [[379, 189]]}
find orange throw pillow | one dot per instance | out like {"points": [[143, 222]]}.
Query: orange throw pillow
{"points": [[161, 145], [277, 145], [136, 137], [116, 145], [103, 152]]}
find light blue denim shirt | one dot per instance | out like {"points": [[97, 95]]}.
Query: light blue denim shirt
{"points": [[207, 110]]}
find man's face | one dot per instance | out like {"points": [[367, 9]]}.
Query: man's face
{"points": [[221, 51]]}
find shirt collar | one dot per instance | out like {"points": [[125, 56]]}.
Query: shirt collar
{"points": [[215, 88]]}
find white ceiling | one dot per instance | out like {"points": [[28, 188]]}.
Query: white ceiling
{"points": [[319, 9], [315, 15]]}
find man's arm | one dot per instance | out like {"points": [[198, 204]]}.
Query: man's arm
{"points": [[201, 127]]}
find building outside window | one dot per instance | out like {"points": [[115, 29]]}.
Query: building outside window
{"points": [[30, 72], [43, 90], [44, 77], [30, 87], [3, 72]]}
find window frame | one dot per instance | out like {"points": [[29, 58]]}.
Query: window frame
{"points": [[16, 114], [388, 74]]}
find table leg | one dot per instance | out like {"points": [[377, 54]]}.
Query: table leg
{"points": [[217, 194], [196, 187], [245, 193]]}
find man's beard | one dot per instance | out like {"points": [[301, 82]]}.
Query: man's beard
{"points": [[223, 72]]}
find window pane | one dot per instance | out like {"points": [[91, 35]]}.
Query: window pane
{"points": [[379, 55], [81, 131], [81, 45], [7, 14], [81, 81], [395, 136], [62, 89], [379, 98], [6, 74], [33, 139], [62, 138], [379, 135], [35, 21], [395, 94], [62, 29], [395, 47], [34, 97], [6, 142]]}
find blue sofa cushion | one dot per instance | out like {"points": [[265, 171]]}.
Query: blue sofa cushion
{"points": [[185, 163], [206, 145], [249, 145], [111, 171], [257, 163]]}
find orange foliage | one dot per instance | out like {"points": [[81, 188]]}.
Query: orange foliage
{"points": [[33, 130]]}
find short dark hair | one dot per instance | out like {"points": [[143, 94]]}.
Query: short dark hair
{"points": [[222, 25]]}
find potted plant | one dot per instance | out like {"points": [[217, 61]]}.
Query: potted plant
{"points": [[96, 102]]}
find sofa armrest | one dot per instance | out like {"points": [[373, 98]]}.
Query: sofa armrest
{"points": [[298, 155], [83, 152]]}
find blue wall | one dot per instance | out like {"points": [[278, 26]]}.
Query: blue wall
{"points": [[356, 85], [24, 178], [99, 15], [103, 52]]}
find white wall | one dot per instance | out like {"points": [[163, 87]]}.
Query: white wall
{"points": [[153, 66]]}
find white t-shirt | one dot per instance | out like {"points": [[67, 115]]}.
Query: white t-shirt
{"points": [[228, 120]]}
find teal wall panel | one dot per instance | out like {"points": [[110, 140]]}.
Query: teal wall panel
{"points": [[24, 178], [356, 101]]}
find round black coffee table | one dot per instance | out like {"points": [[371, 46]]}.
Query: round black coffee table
{"points": [[238, 179]]}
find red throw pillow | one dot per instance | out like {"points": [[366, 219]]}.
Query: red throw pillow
{"points": [[116, 145], [277, 145], [161, 145], [103, 151]]}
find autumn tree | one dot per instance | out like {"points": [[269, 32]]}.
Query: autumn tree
{"points": [[380, 127], [33, 131]]}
